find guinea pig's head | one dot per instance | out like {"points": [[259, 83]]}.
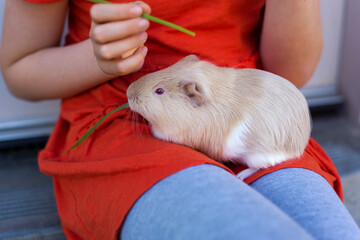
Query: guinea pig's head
{"points": [[170, 96]]}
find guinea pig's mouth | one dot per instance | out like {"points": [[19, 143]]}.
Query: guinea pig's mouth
{"points": [[131, 105], [134, 107], [138, 109]]}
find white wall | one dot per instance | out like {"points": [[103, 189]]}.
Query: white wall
{"points": [[20, 118], [323, 89], [332, 16], [349, 79]]}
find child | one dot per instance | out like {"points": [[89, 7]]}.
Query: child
{"points": [[179, 193]]}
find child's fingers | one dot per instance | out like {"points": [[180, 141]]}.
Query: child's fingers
{"points": [[116, 30], [115, 49], [125, 66], [146, 8], [101, 13], [112, 31], [135, 61]]}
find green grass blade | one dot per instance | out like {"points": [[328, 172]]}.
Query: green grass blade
{"points": [[157, 20], [99, 1], [88, 133], [166, 23]]}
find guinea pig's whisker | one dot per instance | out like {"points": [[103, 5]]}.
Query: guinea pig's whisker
{"points": [[135, 124], [148, 131], [126, 118], [133, 120], [128, 115], [141, 121]]}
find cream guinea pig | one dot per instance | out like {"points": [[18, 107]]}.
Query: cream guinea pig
{"points": [[244, 116]]}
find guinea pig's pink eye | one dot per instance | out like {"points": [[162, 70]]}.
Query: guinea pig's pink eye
{"points": [[159, 91]]}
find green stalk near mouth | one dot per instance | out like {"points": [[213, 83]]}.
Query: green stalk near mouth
{"points": [[157, 20], [91, 130]]}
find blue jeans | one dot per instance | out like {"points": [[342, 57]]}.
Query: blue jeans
{"points": [[207, 202]]}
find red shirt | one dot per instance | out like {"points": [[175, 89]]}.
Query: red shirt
{"points": [[97, 182]]}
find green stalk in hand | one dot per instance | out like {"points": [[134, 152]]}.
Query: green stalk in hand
{"points": [[157, 20]]}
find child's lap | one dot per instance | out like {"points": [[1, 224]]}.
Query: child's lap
{"points": [[207, 202]]}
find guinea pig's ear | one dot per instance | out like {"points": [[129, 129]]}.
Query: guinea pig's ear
{"points": [[193, 93], [190, 58]]}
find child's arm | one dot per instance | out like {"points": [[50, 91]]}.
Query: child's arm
{"points": [[35, 67], [291, 41]]}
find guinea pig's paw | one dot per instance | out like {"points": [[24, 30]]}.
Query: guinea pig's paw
{"points": [[264, 160], [246, 173]]}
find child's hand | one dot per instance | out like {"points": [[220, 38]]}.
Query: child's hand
{"points": [[117, 30]]}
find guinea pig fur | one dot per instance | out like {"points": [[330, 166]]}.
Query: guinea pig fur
{"points": [[244, 116]]}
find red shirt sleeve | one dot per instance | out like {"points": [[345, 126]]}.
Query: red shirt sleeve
{"points": [[42, 1]]}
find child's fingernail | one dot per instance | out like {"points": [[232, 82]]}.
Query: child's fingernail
{"points": [[144, 50], [143, 23], [136, 10], [143, 36]]}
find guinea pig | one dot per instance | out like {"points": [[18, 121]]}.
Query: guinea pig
{"points": [[244, 116]]}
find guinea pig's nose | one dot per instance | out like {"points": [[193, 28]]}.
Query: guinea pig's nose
{"points": [[131, 95]]}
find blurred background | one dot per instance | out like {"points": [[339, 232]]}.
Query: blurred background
{"points": [[27, 205]]}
